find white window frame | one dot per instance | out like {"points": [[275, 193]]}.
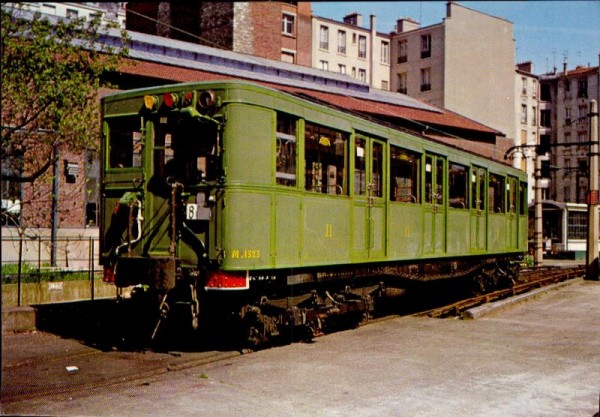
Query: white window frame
{"points": [[385, 52], [288, 24], [324, 37]]}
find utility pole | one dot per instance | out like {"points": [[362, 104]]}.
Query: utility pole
{"points": [[592, 269], [537, 231], [54, 219]]}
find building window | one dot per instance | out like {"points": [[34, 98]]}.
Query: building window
{"points": [[341, 42], [402, 85], [11, 202], [567, 88], [533, 116], [288, 24], [523, 114], [582, 86], [92, 177], [324, 65], [325, 154], [425, 79], [324, 38], [582, 114], [545, 119], [568, 116], [353, 72], [385, 85], [362, 46], [289, 57], [362, 75], [402, 52], [72, 14], [425, 46], [546, 95], [523, 86], [385, 52], [342, 68], [582, 137], [577, 225], [534, 89], [48, 9]]}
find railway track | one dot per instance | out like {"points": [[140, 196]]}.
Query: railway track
{"points": [[528, 280], [46, 376]]}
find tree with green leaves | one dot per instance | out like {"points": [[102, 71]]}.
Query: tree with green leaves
{"points": [[51, 73]]}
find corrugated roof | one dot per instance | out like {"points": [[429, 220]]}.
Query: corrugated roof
{"points": [[189, 55], [362, 103]]}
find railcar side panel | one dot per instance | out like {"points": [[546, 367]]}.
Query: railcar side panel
{"points": [[405, 231], [458, 232], [288, 230], [325, 230], [247, 230]]}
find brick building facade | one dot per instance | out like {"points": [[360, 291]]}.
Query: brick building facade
{"points": [[274, 30]]}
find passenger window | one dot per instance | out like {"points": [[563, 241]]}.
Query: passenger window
{"points": [[478, 188], [125, 142], [285, 159], [325, 156], [434, 180], [511, 190], [377, 169], [360, 167], [496, 194], [458, 177], [523, 198], [405, 167]]}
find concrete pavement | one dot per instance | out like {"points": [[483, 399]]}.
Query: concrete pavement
{"points": [[540, 357]]}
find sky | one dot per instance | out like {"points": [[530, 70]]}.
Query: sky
{"points": [[546, 32]]}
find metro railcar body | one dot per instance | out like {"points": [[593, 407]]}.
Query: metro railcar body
{"points": [[235, 197]]}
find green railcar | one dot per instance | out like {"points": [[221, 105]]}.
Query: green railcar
{"points": [[236, 192]]}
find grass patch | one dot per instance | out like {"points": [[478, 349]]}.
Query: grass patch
{"points": [[31, 274]]}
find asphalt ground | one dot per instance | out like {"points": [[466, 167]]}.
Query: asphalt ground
{"points": [[537, 357]]}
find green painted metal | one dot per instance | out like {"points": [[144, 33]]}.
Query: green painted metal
{"points": [[257, 224]]}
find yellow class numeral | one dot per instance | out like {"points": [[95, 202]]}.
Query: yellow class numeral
{"points": [[245, 254], [328, 230]]}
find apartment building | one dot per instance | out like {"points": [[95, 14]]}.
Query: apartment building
{"points": [[274, 30], [348, 48], [527, 123], [465, 64], [564, 119], [109, 11]]}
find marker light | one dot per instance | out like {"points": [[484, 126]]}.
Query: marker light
{"points": [[150, 102], [170, 99], [187, 98]]}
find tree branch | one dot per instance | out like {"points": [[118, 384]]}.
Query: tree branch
{"points": [[31, 177]]}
